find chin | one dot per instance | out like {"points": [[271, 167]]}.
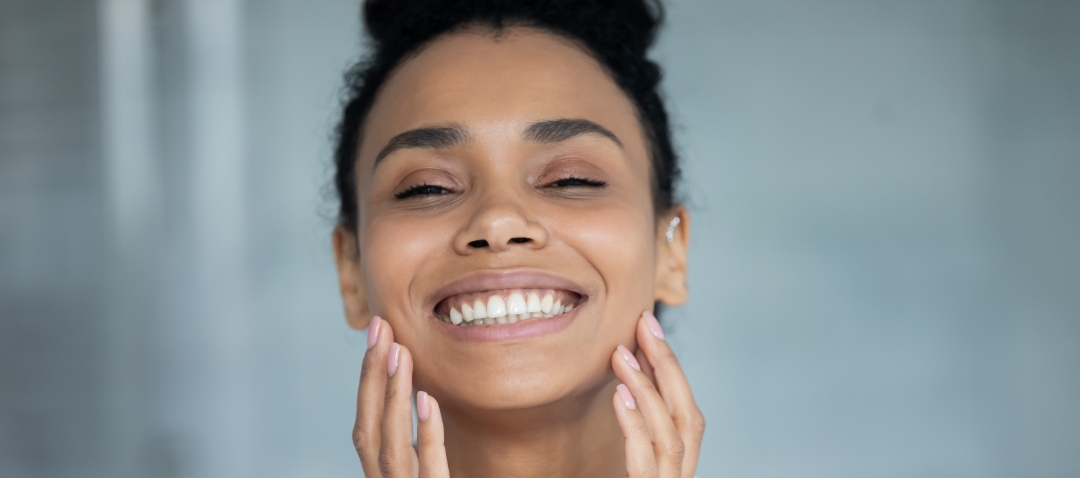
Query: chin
{"points": [[519, 374], [513, 386]]}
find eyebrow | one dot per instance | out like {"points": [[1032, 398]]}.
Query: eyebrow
{"points": [[435, 138], [559, 130], [440, 137]]}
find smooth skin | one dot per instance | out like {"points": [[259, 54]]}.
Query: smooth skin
{"points": [[499, 200]]}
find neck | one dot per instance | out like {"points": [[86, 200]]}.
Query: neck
{"points": [[577, 436]]}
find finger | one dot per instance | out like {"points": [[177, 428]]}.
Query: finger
{"points": [[367, 430], [429, 438], [646, 367], [397, 458], [640, 461], [674, 388], [667, 444]]}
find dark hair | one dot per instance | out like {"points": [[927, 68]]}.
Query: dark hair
{"points": [[616, 32]]}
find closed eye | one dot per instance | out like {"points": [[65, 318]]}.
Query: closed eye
{"points": [[574, 181], [422, 190]]}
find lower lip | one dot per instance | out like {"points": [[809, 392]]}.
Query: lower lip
{"points": [[521, 330]]}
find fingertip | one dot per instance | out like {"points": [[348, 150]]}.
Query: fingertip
{"points": [[629, 357], [393, 359], [423, 406], [434, 410], [622, 370], [651, 339], [385, 325], [653, 325], [621, 414], [625, 397], [373, 331]]}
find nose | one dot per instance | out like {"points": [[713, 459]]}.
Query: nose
{"points": [[499, 225]]}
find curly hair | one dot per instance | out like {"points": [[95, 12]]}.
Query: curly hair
{"points": [[617, 33]]}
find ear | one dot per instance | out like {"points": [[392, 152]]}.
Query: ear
{"points": [[350, 279], [671, 288]]}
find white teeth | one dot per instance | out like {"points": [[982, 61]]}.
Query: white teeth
{"points": [[545, 305], [496, 307], [516, 307], [479, 311], [515, 304], [534, 302]]}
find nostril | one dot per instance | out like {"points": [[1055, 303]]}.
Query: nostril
{"points": [[478, 244], [520, 240]]}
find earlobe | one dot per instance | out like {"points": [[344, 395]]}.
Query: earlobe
{"points": [[672, 244], [347, 259]]}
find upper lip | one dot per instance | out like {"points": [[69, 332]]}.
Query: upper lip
{"points": [[500, 280]]}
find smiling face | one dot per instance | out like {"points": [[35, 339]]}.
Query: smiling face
{"points": [[498, 175]]}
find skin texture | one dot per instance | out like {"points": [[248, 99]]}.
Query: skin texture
{"points": [[500, 202]]}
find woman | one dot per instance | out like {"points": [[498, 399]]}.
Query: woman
{"points": [[507, 224]]}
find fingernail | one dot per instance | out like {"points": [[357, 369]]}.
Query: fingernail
{"points": [[392, 358], [653, 325], [629, 358], [373, 331], [626, 397], [423, 408]]}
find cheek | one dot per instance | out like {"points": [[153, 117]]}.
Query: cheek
{"points": [[617, 241], [392, 253]]}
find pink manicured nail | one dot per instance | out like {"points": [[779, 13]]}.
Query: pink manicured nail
{"points": [[629, 358], [392, 358], [653, 325], [373, 331], [627, 398], [423, 408]]}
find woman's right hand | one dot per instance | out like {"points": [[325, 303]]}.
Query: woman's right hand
{"points": [[383, 430]]}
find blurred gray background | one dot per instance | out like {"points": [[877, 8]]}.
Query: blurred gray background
{"points": [[885, 269]]}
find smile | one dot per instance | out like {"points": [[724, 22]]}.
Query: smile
{"points": [[506, 306]]}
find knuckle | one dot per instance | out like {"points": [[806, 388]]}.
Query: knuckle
{"points": [[361, 439], [696, 423], [386, 461], [391, 393], [678, 448], [673, 448]]}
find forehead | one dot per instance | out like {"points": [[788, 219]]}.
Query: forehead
{"points": [[495, 84]]}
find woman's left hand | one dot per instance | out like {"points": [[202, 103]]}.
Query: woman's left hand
{"points": [[661, 422]]}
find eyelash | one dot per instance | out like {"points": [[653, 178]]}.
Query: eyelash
{"points": [[424, 189], [575, 181], [427, 189]]}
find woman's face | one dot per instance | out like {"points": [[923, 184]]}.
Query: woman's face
{"points": [[506, 172]]}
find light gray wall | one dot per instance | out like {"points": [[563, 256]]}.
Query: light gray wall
{"points": [[885, 246], [884, 272], [53, 370]]}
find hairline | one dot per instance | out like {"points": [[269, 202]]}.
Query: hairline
{"points": [[497, 31]]}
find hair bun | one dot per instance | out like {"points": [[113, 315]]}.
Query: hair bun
{"points": [[627, 24]]}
